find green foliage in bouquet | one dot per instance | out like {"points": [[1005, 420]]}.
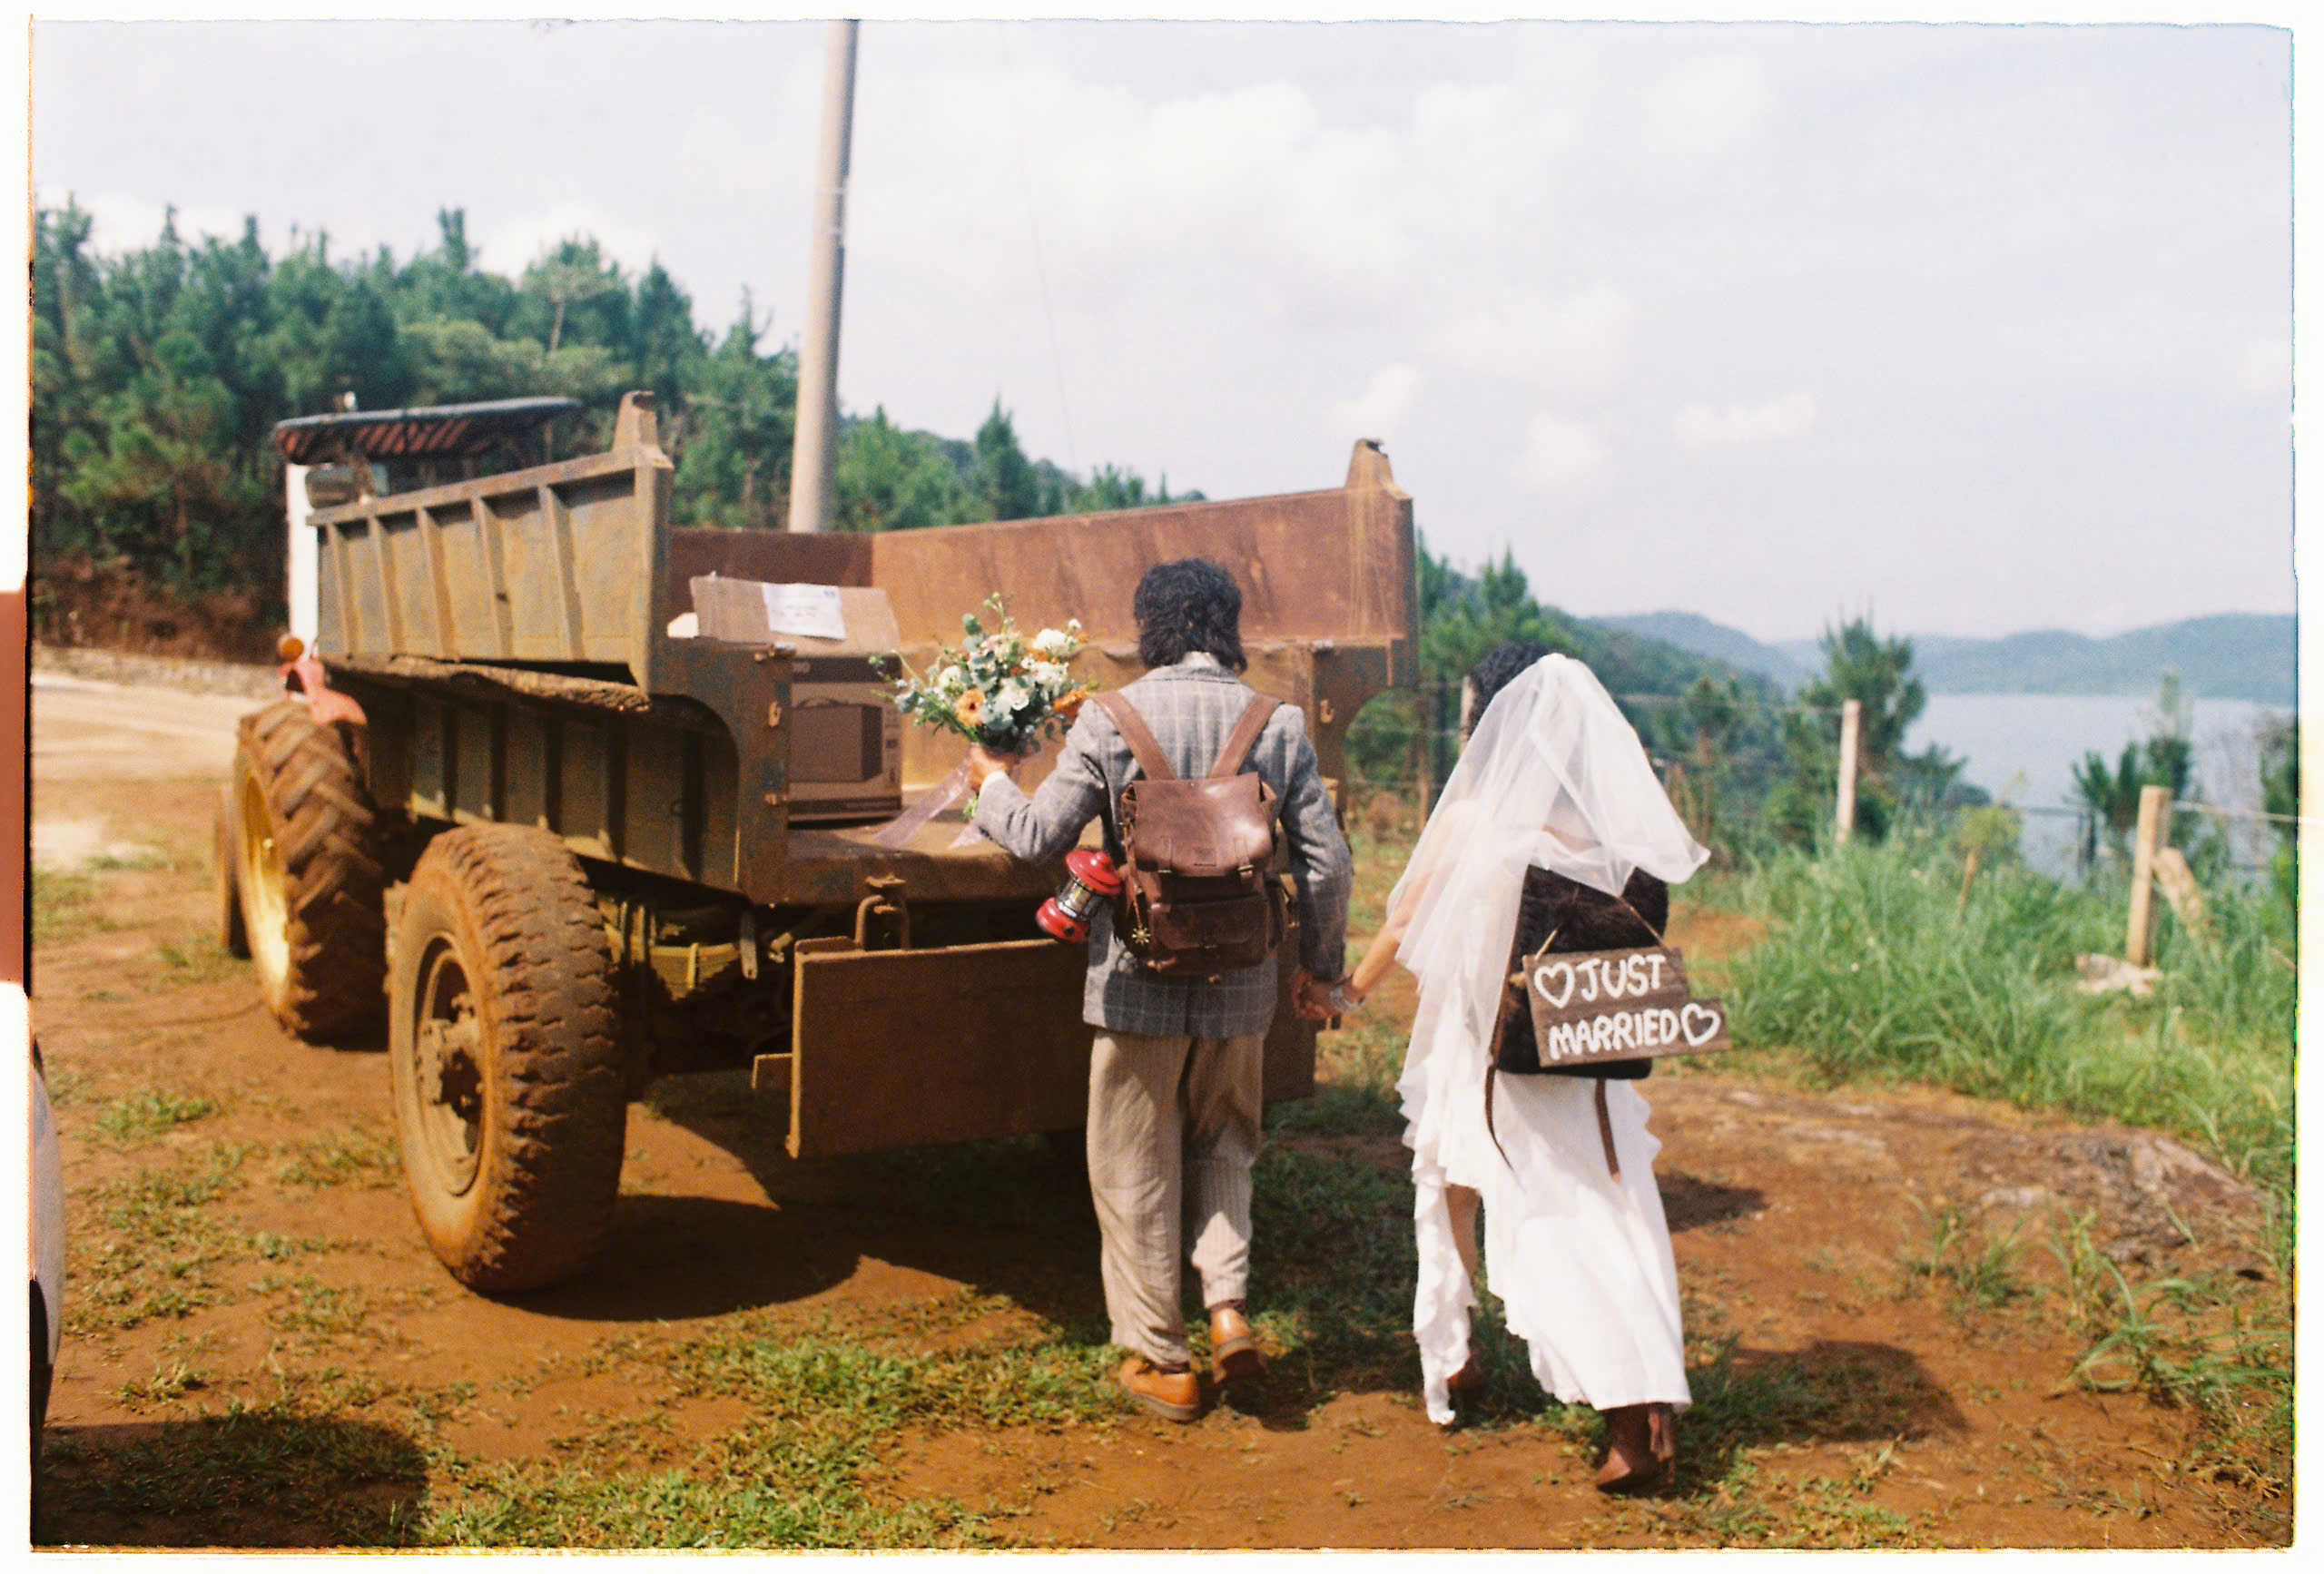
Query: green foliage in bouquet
{"points": [[997, 687]]}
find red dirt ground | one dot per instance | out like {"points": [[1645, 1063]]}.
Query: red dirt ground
{"points": [[1792, 1213]]}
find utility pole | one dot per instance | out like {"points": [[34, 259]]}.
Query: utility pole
{"points": [[1851, 730], [814, 451]]}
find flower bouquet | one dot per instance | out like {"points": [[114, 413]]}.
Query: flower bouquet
{"points": [[998, 689]]}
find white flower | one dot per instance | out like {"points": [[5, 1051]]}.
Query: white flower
{"points": [[1055, 643], [953, 681], [1013, 696], [1051, 676]]}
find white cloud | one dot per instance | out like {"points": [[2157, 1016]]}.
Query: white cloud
{"points": [[1706, 106], [516, 243], [1560, 456], [1778, 420], [1381, 410], [2265, 367], [1577, 346]]}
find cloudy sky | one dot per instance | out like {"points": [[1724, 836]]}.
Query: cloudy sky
{"points": [[1983, 328]]}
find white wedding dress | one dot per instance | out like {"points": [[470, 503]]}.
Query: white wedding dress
{"points": [[1553, 776]]}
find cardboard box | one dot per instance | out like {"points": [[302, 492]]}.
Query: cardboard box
{"points": [[845, 733]]}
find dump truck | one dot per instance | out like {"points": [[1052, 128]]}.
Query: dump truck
{"points": [[528, 806]]}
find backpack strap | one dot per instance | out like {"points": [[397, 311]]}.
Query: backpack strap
{"points": [[1246, 736], [1143, 745]]}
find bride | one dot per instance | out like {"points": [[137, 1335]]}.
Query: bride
{"points": [[1552, 829]]}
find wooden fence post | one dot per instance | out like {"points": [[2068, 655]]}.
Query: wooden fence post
{"points": [[1851, 726], [2154, 809]]}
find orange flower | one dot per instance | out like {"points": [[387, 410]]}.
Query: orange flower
{"points": [[1069, 705], [969, 707]]}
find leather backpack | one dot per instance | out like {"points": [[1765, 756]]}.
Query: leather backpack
{"points": [[1199, 893]]}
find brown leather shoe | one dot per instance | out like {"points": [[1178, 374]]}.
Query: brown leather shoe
{"points": [[1233, 1348], [1171, 1395]]}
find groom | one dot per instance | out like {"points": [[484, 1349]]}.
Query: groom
{"points": [[1174, 1070]]}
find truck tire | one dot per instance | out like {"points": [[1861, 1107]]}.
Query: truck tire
{"points": [[226, 911], [506, 1051], [307, 870]]}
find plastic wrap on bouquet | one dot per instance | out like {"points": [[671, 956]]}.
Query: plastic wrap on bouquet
{"points": [[954, 788]]}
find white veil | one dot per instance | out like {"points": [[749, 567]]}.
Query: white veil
{"points": [[1553, 776]]}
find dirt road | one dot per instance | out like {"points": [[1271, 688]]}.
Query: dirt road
{"points": [[1886, 1294]]}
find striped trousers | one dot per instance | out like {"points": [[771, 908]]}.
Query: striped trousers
{"points": [[1173, 1125]]}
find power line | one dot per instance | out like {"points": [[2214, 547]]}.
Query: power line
{"points": [[1041, 265]]}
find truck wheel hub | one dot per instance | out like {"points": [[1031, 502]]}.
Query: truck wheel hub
{"points": [[447, 1071]]}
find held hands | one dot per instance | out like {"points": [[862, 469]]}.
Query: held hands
{"points": [[1312, 998]]}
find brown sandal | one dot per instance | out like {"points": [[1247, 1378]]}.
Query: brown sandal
{"points": [[1640, 1444]]}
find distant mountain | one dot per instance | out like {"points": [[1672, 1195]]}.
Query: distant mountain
{"points": [[2234, 655], [1693, 632]]}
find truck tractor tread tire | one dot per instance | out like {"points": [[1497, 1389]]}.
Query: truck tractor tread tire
{"points": [[512, 1124], [309, 877], [226, 911]]}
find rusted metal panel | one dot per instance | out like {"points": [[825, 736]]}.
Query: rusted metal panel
{"points": [[871, 1065], [557, 564], [720, 853], [431, 779], [546, 562], [1312, 565], [774, 557], [654, 802], [900, 1048], [585, 787], [472, 764], [525, 765], [745, 688], [388, 738]]}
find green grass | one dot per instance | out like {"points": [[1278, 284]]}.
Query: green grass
{"points": [[824, 1403], [368, 1159], [1874, 969], [1980, 1275], [158, 1250], [149, 1113], [197, 959], [64, 908], [296, 1470]]}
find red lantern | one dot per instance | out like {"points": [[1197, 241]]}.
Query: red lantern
{"points": [[1090, 880]]}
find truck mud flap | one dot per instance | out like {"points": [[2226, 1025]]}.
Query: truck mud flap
{"points": [[900, 1048]]}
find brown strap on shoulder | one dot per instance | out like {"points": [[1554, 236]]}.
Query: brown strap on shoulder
{"points": [[1143, 745], [1246, 736]]}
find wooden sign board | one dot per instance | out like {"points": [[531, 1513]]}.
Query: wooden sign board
{"points": [[1628, 1005]]}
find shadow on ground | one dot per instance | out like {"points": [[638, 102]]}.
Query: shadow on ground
{"points": [[264, 1478]]}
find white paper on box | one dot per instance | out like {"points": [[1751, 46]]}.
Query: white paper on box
{"points": [[811, 611]]}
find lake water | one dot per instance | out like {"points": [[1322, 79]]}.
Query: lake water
{"points": [[2023, 748]]}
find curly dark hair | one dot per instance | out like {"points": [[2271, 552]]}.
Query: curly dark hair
{"points": [[1496, 667], [1188, 606]]}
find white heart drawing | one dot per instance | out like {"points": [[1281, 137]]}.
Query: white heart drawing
{"points": [[1687, 1015], [1544, 972]]}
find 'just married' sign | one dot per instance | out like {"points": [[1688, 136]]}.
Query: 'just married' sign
{"points": [[1631, 1005]]}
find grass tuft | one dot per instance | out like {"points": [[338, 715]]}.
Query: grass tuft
{"points": [[149, 1113]]}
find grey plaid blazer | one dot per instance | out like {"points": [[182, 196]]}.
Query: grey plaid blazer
{"points": [[1191, 708]]}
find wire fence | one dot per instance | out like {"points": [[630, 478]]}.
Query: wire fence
{"points": [[1733, 784]]}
